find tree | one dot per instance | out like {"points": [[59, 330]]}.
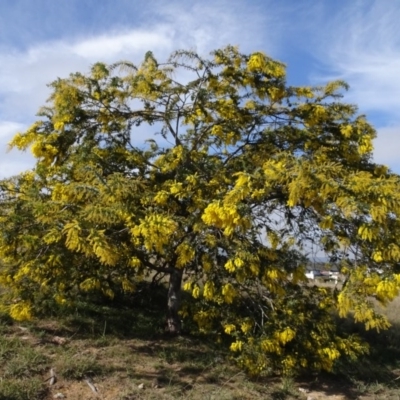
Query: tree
{"points": [[244, 174]]}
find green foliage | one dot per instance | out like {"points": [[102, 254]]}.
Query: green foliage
{"points": [[22, 389], [246, 174]]}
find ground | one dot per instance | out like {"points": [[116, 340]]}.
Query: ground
{"points": [[117, 351]]}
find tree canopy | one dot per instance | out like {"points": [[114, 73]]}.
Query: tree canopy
{"points": [[218, 174]]}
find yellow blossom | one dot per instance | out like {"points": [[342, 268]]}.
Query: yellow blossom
{"points": [[236, 346], [21, 311], [229, 293], [209, 290], [229, 328], [246, 326], [196, 292]]}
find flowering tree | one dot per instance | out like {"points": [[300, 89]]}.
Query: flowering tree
{"points": [[242, 175]]}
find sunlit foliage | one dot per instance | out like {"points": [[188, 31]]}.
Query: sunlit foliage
{"points": [[241, 177]]}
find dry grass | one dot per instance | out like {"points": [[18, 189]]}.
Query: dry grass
{"points": [[168, 368], [117, 349]]}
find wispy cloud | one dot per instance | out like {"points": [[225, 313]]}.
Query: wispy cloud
{"points": [[361, 44], [208, 25], [109, 46], [24, 75], [203, 27], [363, 47], [357, 41]]}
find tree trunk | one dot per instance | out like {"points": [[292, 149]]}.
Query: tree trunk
{"points": [[174, 302]]}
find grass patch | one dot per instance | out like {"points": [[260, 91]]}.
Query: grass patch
{"points": [[25, 362], [79, 366], [286, 389], [22, 389], [116, 345]]}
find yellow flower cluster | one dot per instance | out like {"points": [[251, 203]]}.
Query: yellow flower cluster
{"points": [[60, 299], [346, 130], [156, 230], [288, 364], [258, 62], [236, 346], [90, 284], [286, 335], [185, 254], [229, 328], [176, 188], [21, 311], [22, 140], [304, 92], [209, 290], [171, 160], [207, 262], [270, 346], [196, 292], [135, 262], [127, 285], [327, 357], [225, 217], [161, 197], [204, 320], [344, 304], [231, 265], [315, 114], [229, 293], [246, 326], [102, 249], [365, 145], [229, 137], [387, 289]]}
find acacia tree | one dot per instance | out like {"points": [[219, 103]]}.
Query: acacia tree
{"points": [[242, 175]]}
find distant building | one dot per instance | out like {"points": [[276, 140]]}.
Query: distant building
{"points": [[313, 273]]}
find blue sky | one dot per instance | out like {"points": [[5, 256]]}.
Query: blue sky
{"points": [[319, 40]]}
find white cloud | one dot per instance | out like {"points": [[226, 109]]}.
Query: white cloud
{"points": [[11, 163], [361, 43], [7, 129], [387, 147], [24, 75], [132, 43], [208, 25]]}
